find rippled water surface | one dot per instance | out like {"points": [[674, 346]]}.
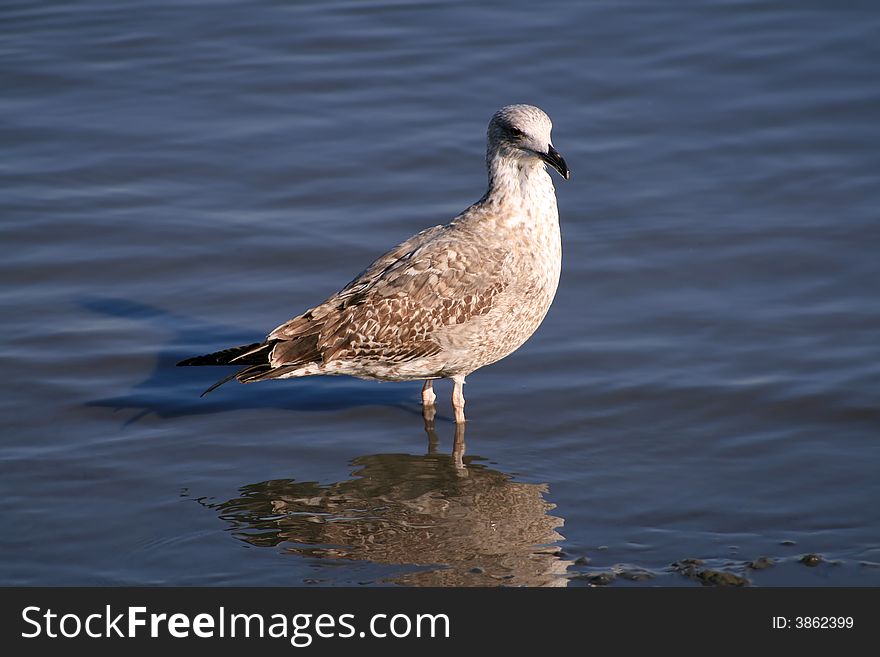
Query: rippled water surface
{"points": [[181, 176]]}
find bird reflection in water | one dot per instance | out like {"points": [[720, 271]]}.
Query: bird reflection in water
{"points": [[469, 524]]}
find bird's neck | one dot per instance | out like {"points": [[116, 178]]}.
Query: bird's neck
{"points": [[520, 188]]}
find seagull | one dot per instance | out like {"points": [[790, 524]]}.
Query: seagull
{"points": [[447, 301]]}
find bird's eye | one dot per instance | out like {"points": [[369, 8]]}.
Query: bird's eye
{"points": [[516, 132]]}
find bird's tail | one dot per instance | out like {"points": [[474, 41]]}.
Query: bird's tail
{"points": [[232, 356], [255, 358]]}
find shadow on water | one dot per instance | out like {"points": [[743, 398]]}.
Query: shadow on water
{"points": [[457, 521], [171, 391]]}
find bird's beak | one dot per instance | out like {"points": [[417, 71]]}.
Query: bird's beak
{"points": [[555, 160]]}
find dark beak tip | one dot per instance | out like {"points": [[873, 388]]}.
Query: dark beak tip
{"points": [[555, 160]]}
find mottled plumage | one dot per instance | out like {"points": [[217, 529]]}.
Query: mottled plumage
{"points": [[447, 301]]}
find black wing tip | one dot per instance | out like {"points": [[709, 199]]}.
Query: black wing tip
{"points": [[207, 359], [257, 366], [247, 375], [219, 383], [230, 356]]}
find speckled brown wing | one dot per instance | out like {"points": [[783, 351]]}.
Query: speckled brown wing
{"points": [[391, 313], [311, 321]]}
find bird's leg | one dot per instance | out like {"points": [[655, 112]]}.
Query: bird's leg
{"points": [[428, 414], [428, 408], [458, 399], [428, 396]]}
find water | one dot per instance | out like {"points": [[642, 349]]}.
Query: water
{"points": [[178, 177]]}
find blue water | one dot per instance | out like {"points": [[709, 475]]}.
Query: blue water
{"points": [[178, 177]]}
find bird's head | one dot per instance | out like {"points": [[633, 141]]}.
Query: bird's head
{"points": [[523, 132]]}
